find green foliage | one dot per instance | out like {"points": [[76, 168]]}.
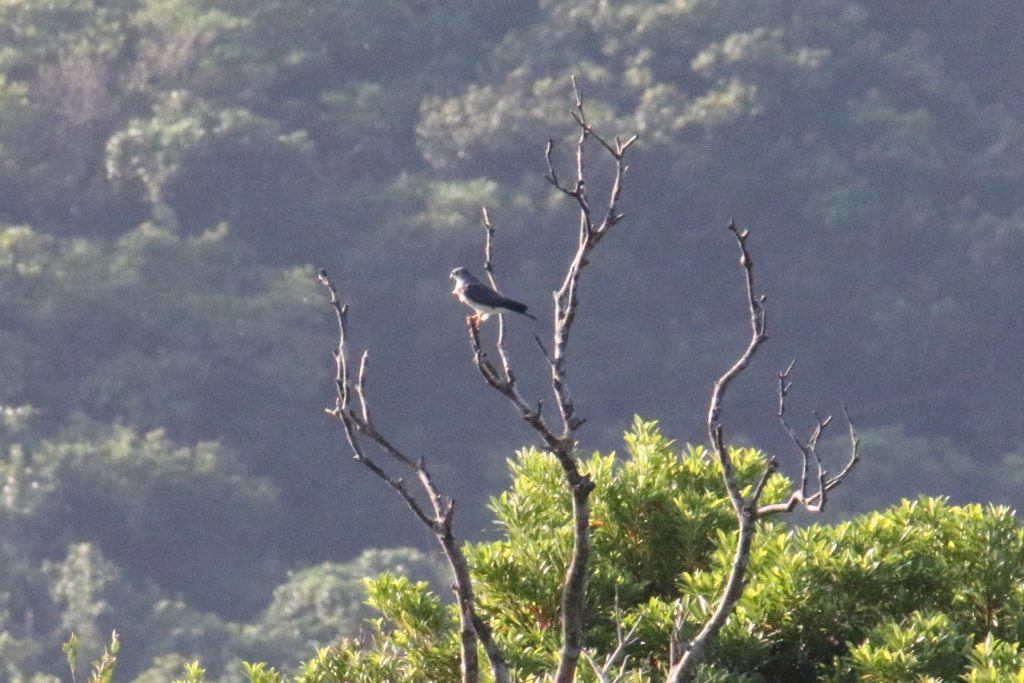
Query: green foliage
{"points": [[420, 630], [656, 516], [321, 605], [140, 319], [260, 673], [154, 507], [993, 660], [175, 370], [924, 648], [349, 662], [415, 640], [116, 305], [86, 594], [193, 673], [815, 590], [892, 596], [102, 668], [71, 650]]}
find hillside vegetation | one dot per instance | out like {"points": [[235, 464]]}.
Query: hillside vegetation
{"points": [[173, 172]]}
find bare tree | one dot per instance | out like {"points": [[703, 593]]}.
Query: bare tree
{"points": [[352, 410]]}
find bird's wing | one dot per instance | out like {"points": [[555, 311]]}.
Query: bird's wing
{"points": [[482, 294]]}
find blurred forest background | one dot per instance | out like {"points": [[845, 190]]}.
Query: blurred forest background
{"points": [[172, 172]]}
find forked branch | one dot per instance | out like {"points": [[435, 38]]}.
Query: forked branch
{"points": [[591, 232], [562, 443], [748, 508], [618, 659], [811, 501], [358, 426]]}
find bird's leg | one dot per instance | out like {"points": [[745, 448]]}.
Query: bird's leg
{"points": [[474, 321]]}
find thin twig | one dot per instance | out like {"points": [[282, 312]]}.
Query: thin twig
{"points": [[816, 501]]}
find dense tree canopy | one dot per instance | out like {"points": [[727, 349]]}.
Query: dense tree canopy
{"points": [[924, 589]]}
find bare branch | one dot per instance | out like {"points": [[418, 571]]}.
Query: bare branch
{"points": [[488, 261], [507, 387], [758, 336], [355, 423], [566, 303], [747, 508], [604, 672], [552, 176], [812, 502], [676, 648], [506, 363], [361, 387], [773, 466], [566, 298], [854, 454], [574, 590]]}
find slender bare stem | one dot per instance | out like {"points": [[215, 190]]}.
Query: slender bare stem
{"points": [[604, 672], [748, 509], [356, 422], [563, 442]]}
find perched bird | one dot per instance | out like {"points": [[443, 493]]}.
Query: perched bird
{"points": [[481, 298]]}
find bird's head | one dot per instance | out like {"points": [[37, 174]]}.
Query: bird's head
{"points": [[462, 275]]}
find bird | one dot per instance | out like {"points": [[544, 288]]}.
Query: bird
{"points": [[482, 299]]}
